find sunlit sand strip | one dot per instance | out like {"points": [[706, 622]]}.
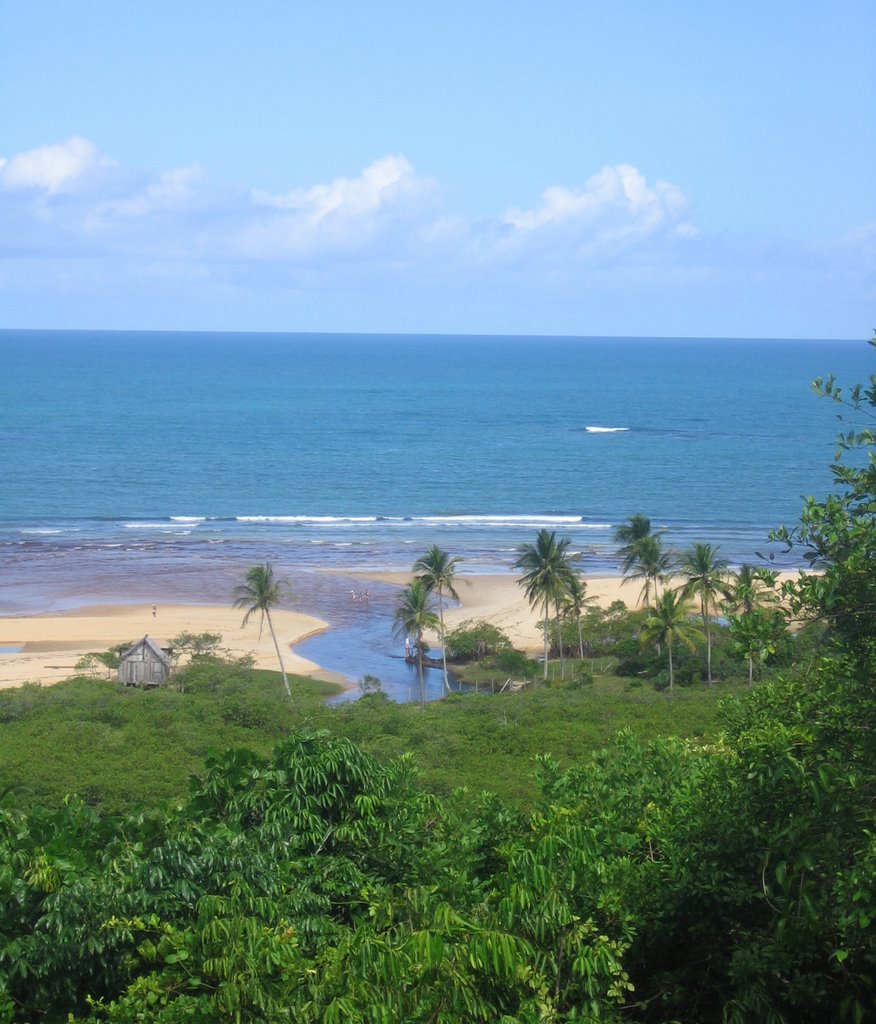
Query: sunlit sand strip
{"points": [[498, 599], [52, 644]]}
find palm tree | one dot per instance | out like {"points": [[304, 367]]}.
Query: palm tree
{"points": [[575, 601], [260, 592], [413, 616], [750, 588], [546, 574], [641, 555], [705, 574], [629, 535], [670, 622], [653, 564], [438, 571]]}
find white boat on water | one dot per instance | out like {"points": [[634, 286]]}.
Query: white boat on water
{"points": [[606, 430]]}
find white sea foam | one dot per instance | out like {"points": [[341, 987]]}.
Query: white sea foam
{"points": [[494, 520], [606, 430], [307, 520], [500, 520]]}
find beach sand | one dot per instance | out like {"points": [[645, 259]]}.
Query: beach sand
{"points": [[499, 600], [51, 644]]}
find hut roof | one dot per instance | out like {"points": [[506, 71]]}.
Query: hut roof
{"points": [[162, 653]]}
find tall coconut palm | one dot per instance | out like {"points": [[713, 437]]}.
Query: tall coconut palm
{"points": [[438, 571], [629, 535], [750, 588], [413, 616], [706, 577], [574, 604], [259, 593], [546, 573], [668, 623], [641, 554], [652, 564]]}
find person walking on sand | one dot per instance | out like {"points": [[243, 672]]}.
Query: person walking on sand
{"points": [[154, 611]]}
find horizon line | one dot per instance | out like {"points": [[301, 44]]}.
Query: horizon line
{"points": [[421, 334]]}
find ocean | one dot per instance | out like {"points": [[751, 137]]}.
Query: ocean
{"points": [[141, 466]]}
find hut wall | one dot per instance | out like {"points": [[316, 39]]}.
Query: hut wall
{"points": [[142, 668]]}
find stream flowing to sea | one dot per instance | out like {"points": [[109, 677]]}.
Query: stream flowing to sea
{"points": [[144, 466]]}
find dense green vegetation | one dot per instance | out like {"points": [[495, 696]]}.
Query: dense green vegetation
{"points": [[119, 748], [655, 876], [122, 747]]}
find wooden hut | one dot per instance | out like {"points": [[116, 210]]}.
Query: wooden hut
{"points": [[145, 664]]}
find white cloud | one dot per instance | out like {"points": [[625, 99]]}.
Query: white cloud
{"points": [[380, 183], [68, 196], [346, 214], [170, 190], [51, 169], [75, 225], [616, 198]]}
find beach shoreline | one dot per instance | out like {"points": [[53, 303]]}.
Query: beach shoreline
{"points": [[50, 642], [44, 647], [498, 598]]}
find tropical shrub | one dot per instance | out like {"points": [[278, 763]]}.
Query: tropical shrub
{"points": [[611, 631], [516, 663], [195, 645], [583, 676], [474, 641]]}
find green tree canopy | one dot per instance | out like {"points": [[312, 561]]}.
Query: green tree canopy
{"points": [[838, 534]]}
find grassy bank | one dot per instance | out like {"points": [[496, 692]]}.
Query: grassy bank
{"points": [[120, 747]]}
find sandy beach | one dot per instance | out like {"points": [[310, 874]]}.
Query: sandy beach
{"points": [[45, 648], [50, 645], [498, 599]]}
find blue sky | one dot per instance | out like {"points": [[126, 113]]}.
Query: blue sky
{"points": [[531, 168]]}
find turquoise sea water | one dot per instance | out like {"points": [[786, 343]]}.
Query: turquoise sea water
{"points": [[152, 466]]}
